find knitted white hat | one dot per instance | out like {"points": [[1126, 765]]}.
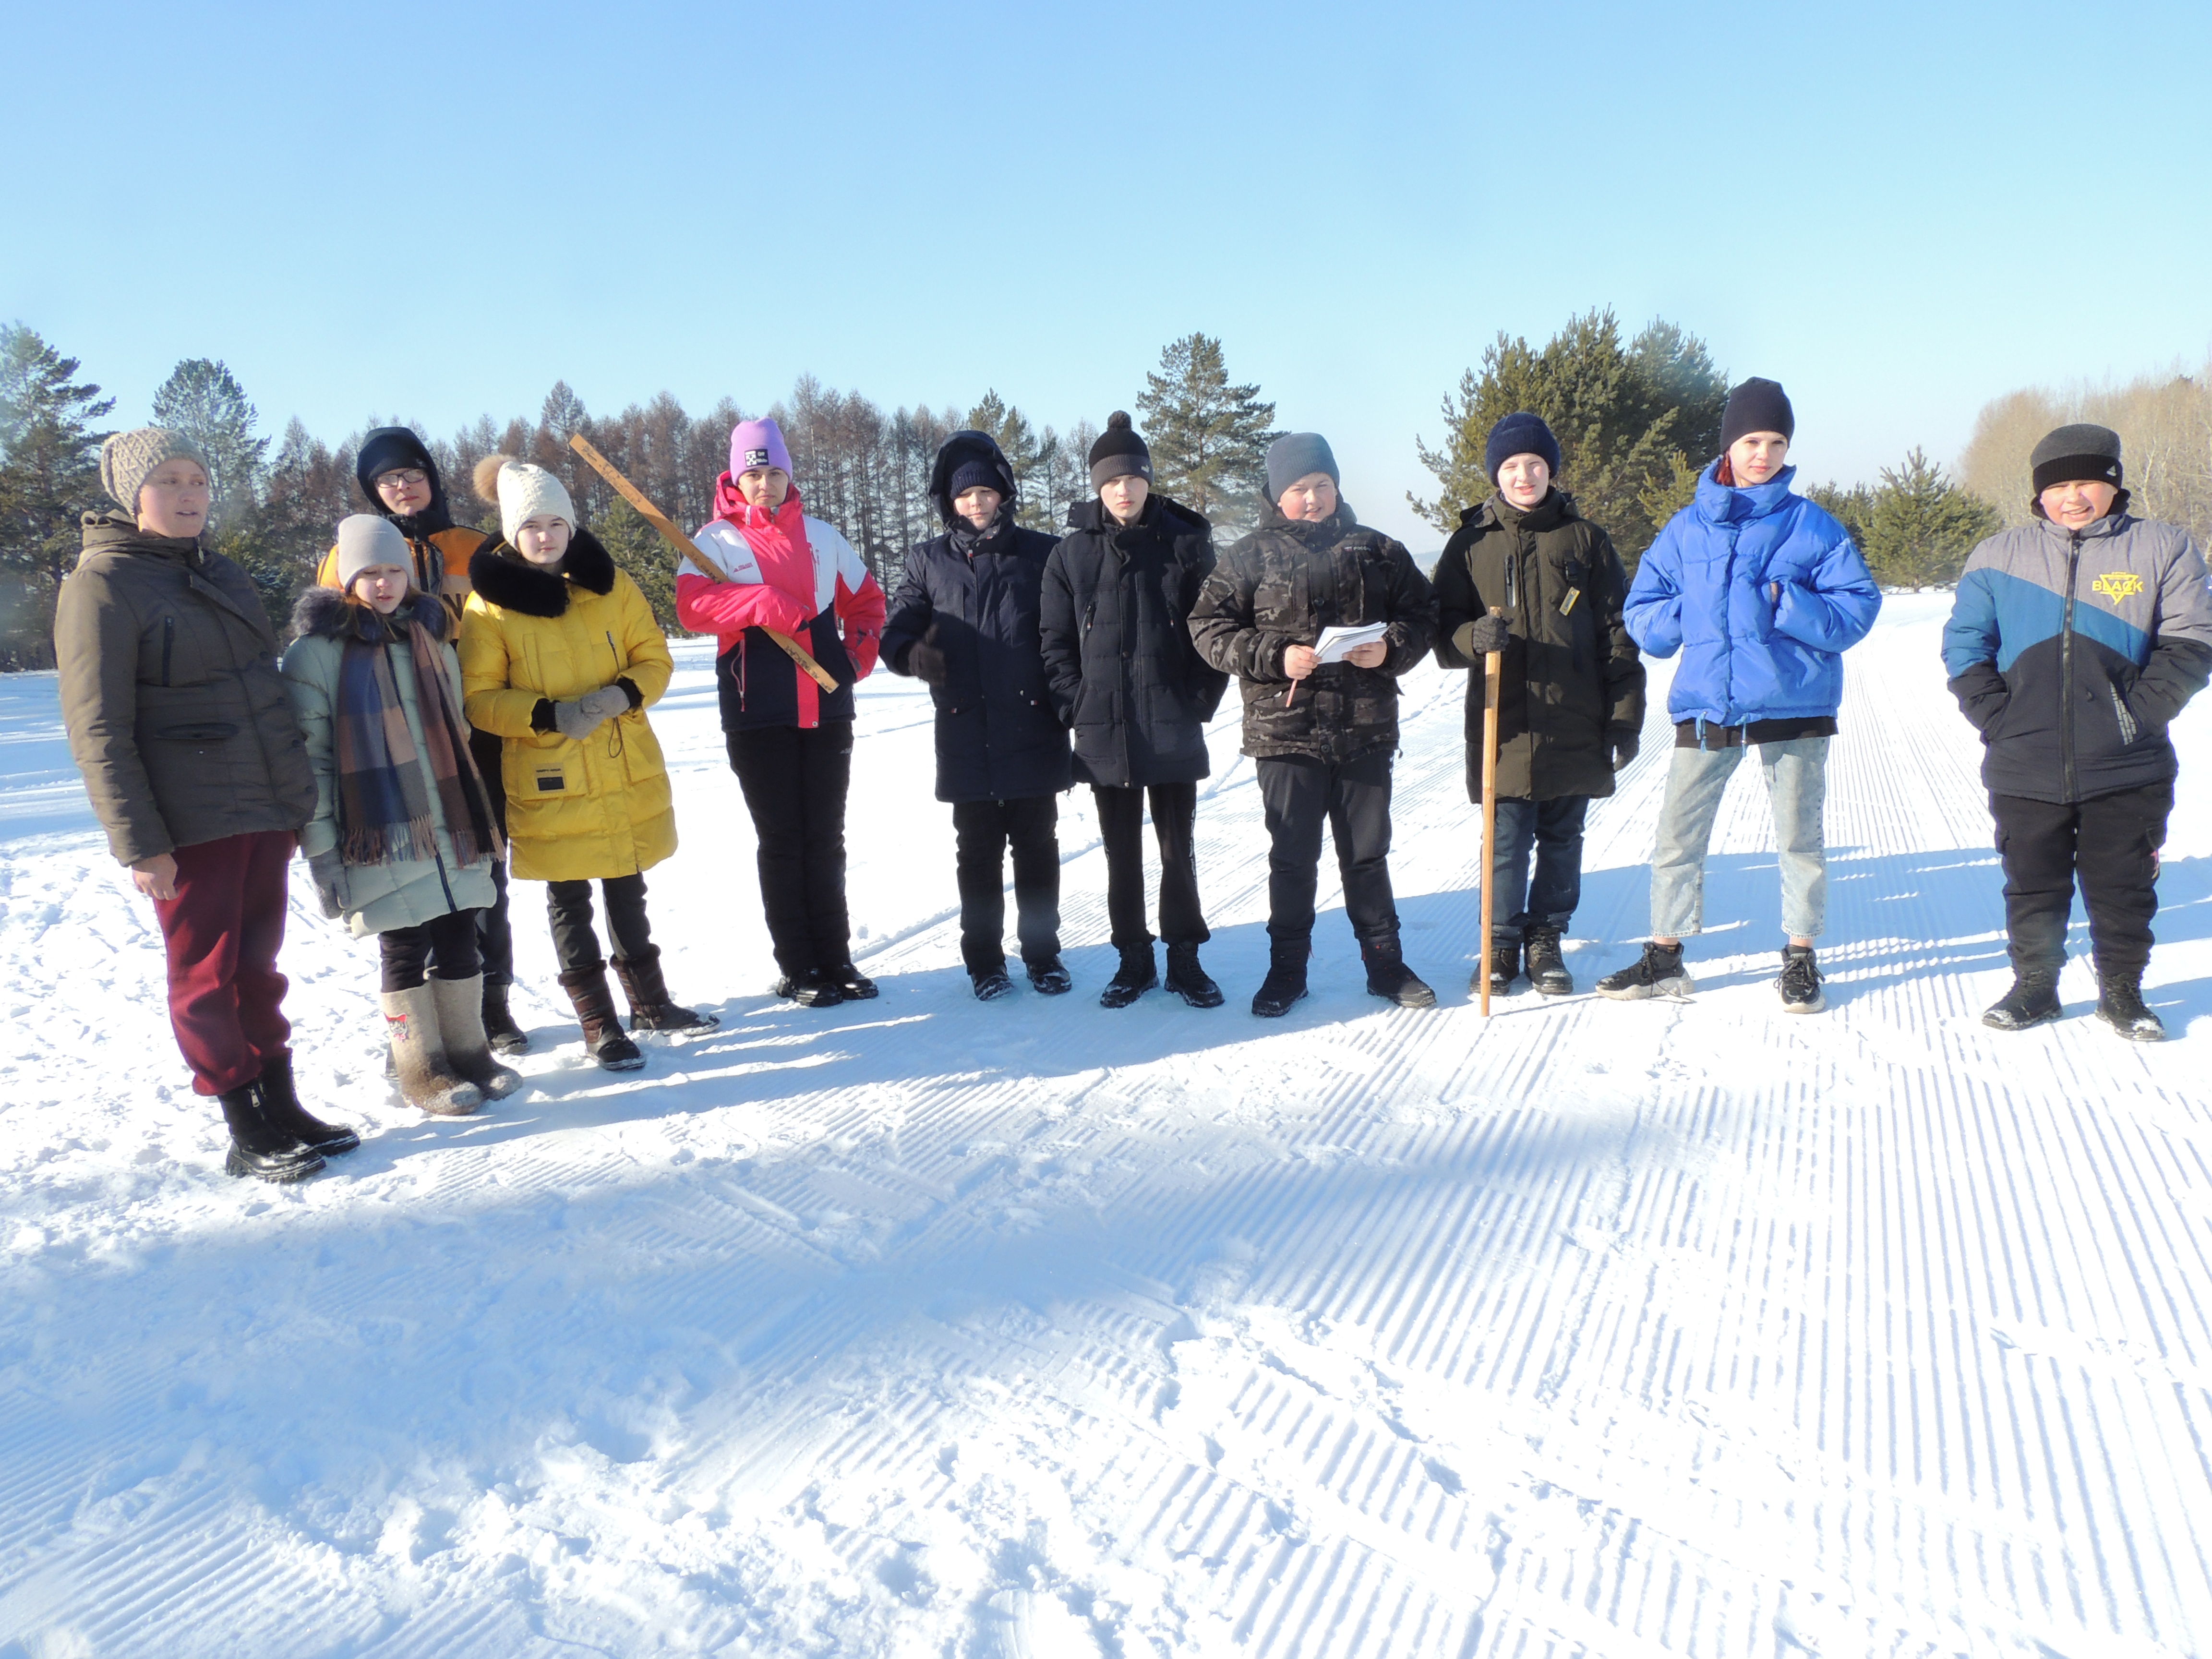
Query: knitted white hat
{"points": [[523, 491]]}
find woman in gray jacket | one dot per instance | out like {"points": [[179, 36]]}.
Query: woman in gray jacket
{"points": [[403, 840]]}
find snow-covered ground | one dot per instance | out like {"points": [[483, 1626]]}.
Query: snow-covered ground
{"points": [[919, 1327]]}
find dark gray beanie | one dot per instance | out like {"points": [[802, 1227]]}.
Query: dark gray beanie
{"points": [[1119, 452], [1295, 455], [1757, 405], [2076, 454], [128, 459]]}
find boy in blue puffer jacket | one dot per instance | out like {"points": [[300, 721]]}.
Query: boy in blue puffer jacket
{"points": [[1762, 592]]}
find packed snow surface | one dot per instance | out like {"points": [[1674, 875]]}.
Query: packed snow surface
{"points": [[922, 1327]]}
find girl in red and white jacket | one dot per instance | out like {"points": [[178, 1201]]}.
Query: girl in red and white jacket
{"points": [[790, 741]]}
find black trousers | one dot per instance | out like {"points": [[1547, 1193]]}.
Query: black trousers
{"points": [[984, 829], [495, 932], [1175, 826], [569, 908], [446, 947], [795, 782], [2107, 847], [1300, 794]]}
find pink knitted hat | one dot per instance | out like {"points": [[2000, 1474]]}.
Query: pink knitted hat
{"points": [[758, 443]]}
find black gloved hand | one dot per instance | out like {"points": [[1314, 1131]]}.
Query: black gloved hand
{"points": [[1622, 742], [924, 658], [1483, 635]]}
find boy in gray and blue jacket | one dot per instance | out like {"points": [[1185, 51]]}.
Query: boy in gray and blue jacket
{"points": [[2072, 642]]}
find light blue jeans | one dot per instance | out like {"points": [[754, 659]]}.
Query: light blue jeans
{"points": [[1796, 789]]}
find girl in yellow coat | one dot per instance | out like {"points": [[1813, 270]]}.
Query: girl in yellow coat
{"points": [[560, 656]]}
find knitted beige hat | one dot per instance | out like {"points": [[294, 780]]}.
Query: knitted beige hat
{"points": [[128, 459], [523, 491], [365, 541]]}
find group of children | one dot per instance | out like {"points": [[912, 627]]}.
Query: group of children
{"points": [[454, 706]]}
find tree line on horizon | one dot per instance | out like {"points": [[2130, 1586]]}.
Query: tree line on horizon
{"points": [[1637, 419]]}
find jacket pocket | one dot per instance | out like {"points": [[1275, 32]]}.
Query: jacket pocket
{"points": [[2121, 713], [533, 773]]}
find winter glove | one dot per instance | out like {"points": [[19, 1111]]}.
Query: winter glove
{"points": [[574, 721], [924, 658], [604, 703], [1481, 636], [328, 871], [1622, 742]]}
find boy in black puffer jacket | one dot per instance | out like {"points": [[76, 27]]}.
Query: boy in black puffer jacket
{"points": [[966, 620], [1124, 674], [1321, 734]]}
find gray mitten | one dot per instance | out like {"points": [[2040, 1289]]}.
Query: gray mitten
{"points": [[327, 871], [606, 703], [575, 722]]}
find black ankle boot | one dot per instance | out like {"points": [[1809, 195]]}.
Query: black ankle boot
{"points": [[1286, 978], [1137, 975], [505, 1037], [2032, 1000], [2120, 1005], [1389, 978], [1547, 968], [258, 1148], [281, 1110], [1190, 982]]}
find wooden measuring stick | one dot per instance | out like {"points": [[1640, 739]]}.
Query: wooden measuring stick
{"points": [[676, 538], [1493, 663]]}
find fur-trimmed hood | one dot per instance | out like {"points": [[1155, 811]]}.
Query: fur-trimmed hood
{"points": [[504, 578], [326, 613]]}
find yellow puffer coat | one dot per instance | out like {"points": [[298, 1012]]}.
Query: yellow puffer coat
{"points": [[574, 810]]}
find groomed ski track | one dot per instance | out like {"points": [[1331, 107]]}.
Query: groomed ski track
{"points": [[923, 1327]]}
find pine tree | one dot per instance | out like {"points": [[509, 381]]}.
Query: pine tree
{"points": [[1634, 422], [1920, 526], [203, 400], [636, 546], [49, 479], [1208, 439]]}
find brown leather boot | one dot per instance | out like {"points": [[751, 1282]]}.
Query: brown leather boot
{"points": [[468, 1051], [650, 1010], [604, 1038]]}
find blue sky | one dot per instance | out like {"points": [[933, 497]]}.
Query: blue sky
{"points": [[1899, 211]]}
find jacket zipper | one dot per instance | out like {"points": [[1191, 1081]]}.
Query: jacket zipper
{"points": [[168, 644], [2066, 667]]}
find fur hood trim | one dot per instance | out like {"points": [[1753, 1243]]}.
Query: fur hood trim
{"points": [[506, 579], [324, 613]]}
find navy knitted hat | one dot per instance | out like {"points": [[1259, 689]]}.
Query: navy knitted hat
{"points": [[1757, 405], [974, 475], [1520, 433], [1297, 455]]}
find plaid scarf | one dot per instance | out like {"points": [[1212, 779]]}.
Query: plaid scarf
{"points": [[383, 810]]}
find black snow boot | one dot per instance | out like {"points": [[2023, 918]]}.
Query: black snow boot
{"points": [[2120, 1005], [1505, 965], [813, 988], [1799, 982], [991, 983], [1389, 978], [1287, 977], [505, 1037], [1547, 968], [1657, 973], [258, 1147], [603, 1037], [2032, 1000], [650, 1010], [1050, 977], [1190, 982], [856, 985], [281, 1109], [1137, 975]]}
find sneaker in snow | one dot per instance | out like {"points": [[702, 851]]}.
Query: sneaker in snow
{"points": [[1799, 982], [1657, 973]]}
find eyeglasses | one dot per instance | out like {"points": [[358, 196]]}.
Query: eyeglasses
{"points": [[403, 475]]}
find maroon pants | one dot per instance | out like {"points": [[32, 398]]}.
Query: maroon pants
{"points": [[223, 929]]}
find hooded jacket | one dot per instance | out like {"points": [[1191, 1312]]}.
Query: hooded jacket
{"points": [[1702, 589], [442, 549], [2071, 651], [1282, 585], [176, 714], [574, 810], [823, 595], [407, 893], [1570, 671], [1115, 620], [974, 597]]}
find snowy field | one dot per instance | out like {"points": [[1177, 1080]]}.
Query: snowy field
{"points": [[923, 1327]]}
